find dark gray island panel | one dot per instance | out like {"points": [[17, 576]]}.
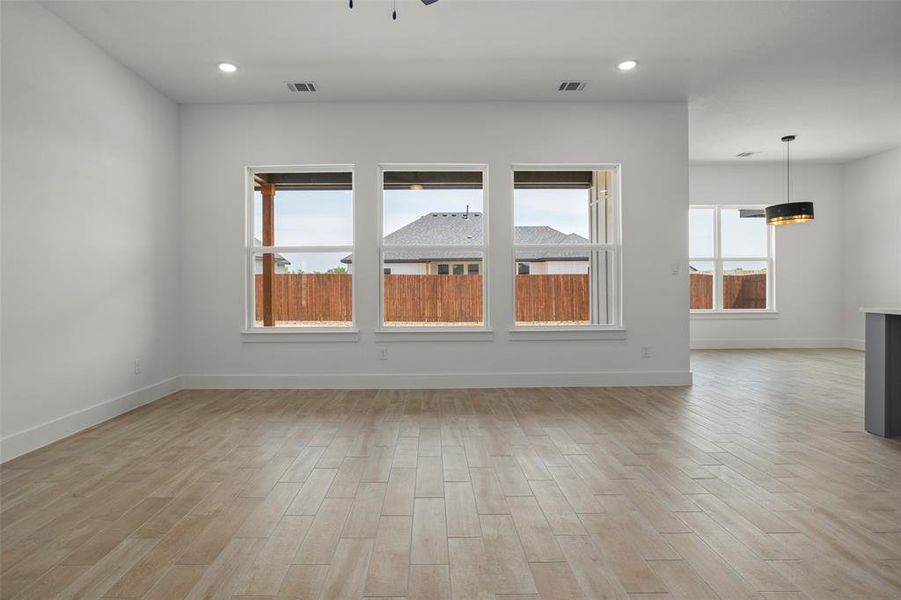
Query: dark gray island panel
{"points": [[882, 413]]}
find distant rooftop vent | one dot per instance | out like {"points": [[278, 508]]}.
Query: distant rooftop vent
{"points": [[571, 86], [745, 154], [303, 86]]}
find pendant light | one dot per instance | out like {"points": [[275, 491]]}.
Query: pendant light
{"points": [[790, 212]]}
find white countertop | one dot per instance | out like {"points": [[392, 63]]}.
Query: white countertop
{"points": [[883, 311]]}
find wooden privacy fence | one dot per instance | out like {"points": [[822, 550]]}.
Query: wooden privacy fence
{"points": [[746, 290], [552, 298], [433, 298], [425, 298], [308, 297], [701, 291]]}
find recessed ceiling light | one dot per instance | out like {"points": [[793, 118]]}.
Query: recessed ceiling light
{"points": [[627, 65], [227, 67]]}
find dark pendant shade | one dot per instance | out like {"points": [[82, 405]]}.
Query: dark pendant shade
{"points": [[789, 213]]}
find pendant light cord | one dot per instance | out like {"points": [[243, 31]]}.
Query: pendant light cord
{"points": [[788, 172]]}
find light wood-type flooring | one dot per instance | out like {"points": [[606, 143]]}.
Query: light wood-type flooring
{"points": [[757, 482]]}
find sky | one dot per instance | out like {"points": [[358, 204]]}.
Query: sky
{"points": [[402, 207], [325, 218]]}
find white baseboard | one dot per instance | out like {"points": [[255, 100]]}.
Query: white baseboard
{"points": [[853, 344], [438, 380], [25, 441], [763, 343]]}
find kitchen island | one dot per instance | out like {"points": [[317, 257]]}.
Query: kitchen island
{"points": [[882, 413]]}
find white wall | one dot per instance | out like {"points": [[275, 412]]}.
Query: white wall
{"points": [[565, 267], [407, 268], [649, 139], [809, 257], [89, 233], [872, 233]]}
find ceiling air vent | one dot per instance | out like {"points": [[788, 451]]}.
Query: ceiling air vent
{"points": [[571, 86], [303, 86], [745, 154]]}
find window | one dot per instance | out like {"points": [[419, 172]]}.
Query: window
{"points": [[472, 268], [300, 248], [433, 223], [566, 247], [731, 259]]}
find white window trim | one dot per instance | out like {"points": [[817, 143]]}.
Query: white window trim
{"points": [[466, 332], [253, 333], [564, 333], [616, 329], [735, 314], [718, 312], [433, 334], [308, 334]]}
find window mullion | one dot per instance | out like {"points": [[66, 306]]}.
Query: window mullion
{"points": [[268, 193], [459, 248], [299, 249], [717, 260], [587, 247], [593, 262]]}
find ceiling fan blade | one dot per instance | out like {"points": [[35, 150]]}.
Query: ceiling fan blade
{"points": [[427, 2]]}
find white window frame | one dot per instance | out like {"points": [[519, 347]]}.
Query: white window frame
{"points": [[483, 248], [613, 246], [348, 333], [718, 260]]}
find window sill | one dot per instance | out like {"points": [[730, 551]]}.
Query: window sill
{"points": [[530, 334], [290, 334], [734, 314], [433, 335]]}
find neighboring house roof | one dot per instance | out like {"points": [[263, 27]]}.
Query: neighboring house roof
{"points": [[542, 234], [279, 259], [465, 228]]}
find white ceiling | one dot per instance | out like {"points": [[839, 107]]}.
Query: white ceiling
{"points": [[751, 72]]}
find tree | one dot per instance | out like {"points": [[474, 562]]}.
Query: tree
{"points": [[337, 271]]}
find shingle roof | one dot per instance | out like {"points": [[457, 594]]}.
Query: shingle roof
{"points": [[463, 229], [439, 228]]}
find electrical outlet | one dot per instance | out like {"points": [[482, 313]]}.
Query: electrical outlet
{"points": [[646, 352], [383, 354], [676, 268], [137, 366]]}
